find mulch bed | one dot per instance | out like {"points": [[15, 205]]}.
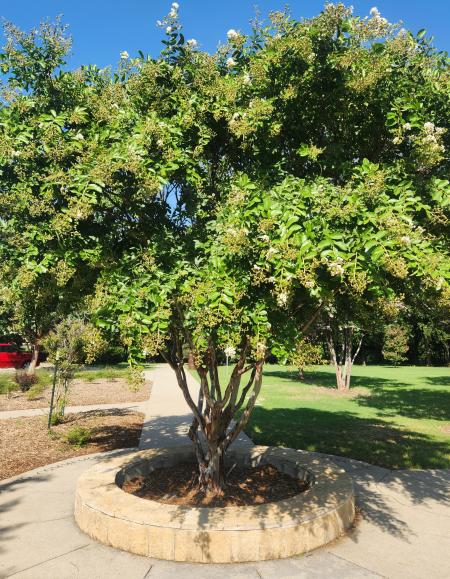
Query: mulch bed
{"points": [[244, 487], [27, 444], [81, 393]]}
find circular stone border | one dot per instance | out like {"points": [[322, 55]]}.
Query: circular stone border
{"points": [[215, 535]]}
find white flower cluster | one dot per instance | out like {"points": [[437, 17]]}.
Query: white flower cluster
{"points": [[232, 34], [230, 351], [309, 283], [432, 133], [192, 43], [440, 283], [124, 55], [375, 13], [260, 350], [231, 62], [271, 251], [329, 7], [282, 299], [405, 240], [174, 10], [407, 126], [335, 267]]}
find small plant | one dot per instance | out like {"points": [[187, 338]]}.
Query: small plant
{"points": [[56, 418], [35, 390], [136, 378], [24, 380], [78, 436]]}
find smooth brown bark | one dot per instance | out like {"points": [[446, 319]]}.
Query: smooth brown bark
{"points": [[213, 430]]}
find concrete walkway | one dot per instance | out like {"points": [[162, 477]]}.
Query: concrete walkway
{"points": [[403, 531], [167, 415]]}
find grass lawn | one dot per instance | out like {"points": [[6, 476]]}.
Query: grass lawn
{"points": [[397, 417]]}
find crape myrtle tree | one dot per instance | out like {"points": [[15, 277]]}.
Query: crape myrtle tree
{"points": [[225, 202], [291, 191]]}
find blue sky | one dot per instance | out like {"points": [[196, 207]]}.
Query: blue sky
{"points": [[103, 28]]}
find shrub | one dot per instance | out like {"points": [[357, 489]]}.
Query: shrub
{"points": [[24, 380], [78, 436], [35, 390], [56, 418]]}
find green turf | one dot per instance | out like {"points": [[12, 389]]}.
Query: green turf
{"points": [[91, 373], [397, 417]]}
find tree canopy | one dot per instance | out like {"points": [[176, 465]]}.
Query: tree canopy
{"points": [[223, 201]]}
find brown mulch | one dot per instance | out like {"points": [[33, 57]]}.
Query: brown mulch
{"points": [[244, 487], [27, 444], [101, 391]]}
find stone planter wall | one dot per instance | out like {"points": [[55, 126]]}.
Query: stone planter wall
{"points": [[215, 535]]}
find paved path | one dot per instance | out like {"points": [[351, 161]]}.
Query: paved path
{"points": [[403, 531], [167, 415]]}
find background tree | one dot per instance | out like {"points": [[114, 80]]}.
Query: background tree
{"points": [[72, 343], [395, 343], [307, 353]]}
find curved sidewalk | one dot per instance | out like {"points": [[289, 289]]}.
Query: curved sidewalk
{"points": [[403, 531]]}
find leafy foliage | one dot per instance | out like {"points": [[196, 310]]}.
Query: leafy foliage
{"points": [[220, 201], [395, 344]]}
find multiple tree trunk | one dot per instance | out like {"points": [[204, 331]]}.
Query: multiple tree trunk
{"points": [[217, 423], [342, 354]]}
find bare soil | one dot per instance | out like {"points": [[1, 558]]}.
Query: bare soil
{"points": [[27, 444], [100, 391], [244, 487]]}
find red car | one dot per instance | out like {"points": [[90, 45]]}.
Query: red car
{"points": [[13, 357]]}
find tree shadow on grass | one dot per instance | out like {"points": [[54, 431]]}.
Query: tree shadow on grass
{"points": [[375, 441], [414, 403], [328, 379], [372, 441], [438, 380]]}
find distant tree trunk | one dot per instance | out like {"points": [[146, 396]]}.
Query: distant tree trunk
{"points": [[343, 362], [212, 429], [34, 358]]}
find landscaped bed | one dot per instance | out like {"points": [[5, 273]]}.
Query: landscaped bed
{"points": [[178, 485], [91, 386], [296, 524], [26, 443]]}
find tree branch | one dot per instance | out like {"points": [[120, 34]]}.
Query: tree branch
{"points": [[234, 432], [245, 390]]}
